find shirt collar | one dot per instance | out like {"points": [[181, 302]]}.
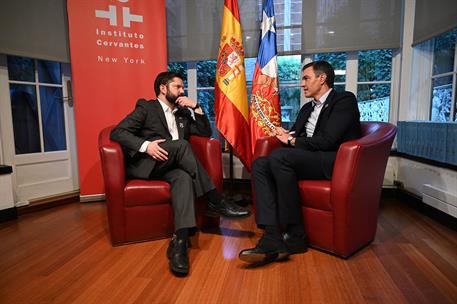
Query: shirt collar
{"points": [[166, 108], [323, 98]]}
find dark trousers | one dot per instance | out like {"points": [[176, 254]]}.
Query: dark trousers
{"points": [[275, 179], [187, 177]]}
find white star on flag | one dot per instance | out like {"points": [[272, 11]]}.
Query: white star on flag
{"points": [[267, 24]]}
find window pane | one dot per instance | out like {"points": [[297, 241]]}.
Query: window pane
{"points": [[338, 61], [441, 98], [443, 55], [25, 118], [455, 108], [52, 118], [249, 65], [289, 69], [289, 73], [288, 13], [375, 65], [21, 68], [339, 87], [288, 39], [290, 105], [295, 12], [249, 89], [180, 67], [206, 73], [49, 72], [206, 100], [374, 101]]}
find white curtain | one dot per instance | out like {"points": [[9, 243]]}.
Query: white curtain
{"points": [[421, 82]]}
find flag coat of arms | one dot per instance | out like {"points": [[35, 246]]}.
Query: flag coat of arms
{"points": [[265, 107], [231, 102]]}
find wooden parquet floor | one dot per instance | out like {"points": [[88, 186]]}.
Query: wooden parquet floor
{"points": [[63, 255]]}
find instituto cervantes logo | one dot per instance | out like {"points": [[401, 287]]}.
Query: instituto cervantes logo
{"points": [[114, 32], [111, 15], [230, 62]]}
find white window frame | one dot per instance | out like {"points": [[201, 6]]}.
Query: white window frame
{"points": [[42, 155], [453, 73]]}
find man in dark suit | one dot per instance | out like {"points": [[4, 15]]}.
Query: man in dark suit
{"points": [[309, 153], [154, 138]]}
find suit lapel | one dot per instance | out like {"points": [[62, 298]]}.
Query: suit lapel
{"points": [[163, 120], [303, 118], [328, 103]]}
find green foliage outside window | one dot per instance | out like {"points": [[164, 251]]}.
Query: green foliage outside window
{"points": [[338, 62], [206, 101], [289, 68], [180, 67], [289, 74], [374, 65], [206, 73]]}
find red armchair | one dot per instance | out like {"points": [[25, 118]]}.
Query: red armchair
{"points": [[340, 215], [140, 210]]}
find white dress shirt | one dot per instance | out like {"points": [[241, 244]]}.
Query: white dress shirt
{"points": [[171, 123], [312, 120]]}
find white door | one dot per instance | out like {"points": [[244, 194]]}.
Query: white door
{"points": [[37, 127]]}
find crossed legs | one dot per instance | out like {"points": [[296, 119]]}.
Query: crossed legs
{"points": [[275, 180]]}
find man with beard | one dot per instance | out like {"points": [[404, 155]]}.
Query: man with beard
{"points": [[154, 138]]}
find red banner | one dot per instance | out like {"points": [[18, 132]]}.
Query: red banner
{"points": [[117, 48]]}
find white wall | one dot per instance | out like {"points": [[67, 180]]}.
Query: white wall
{"points": [[436, 186]]}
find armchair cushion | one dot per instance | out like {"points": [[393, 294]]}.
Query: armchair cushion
{"points": [[144, 192], [315, 194]]}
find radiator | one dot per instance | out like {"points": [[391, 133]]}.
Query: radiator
{"points": [[440, 199]]}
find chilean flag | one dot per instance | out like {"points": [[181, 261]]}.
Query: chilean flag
{"points": [[265, 108]]}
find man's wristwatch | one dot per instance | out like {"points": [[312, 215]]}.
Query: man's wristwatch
{"points": [[196, 106], [289, 141]]}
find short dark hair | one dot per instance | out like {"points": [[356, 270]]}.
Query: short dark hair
{"points": [[165, 78], [322, 67]]}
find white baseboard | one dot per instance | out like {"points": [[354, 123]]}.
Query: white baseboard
{"points": [[92, 198]]}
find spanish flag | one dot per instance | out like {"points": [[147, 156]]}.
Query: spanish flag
{"points": [[231, 101]]}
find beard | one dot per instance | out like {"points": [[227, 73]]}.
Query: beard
{"points": [[172, 98]]}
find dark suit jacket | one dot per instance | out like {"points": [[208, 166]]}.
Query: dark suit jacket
{"points": [[147, 122], [339, 121]]}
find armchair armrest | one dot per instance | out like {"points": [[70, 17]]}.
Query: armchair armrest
{"points": [[112, 159], [357, 182], [208, 151], [112, 162], [265, 145]]}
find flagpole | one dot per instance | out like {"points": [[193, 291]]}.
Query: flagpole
{"points": [[231, 179]]}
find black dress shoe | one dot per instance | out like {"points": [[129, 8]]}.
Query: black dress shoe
{"points": [[296, 244], [177, 254], [226, 209], [268, 249]]}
